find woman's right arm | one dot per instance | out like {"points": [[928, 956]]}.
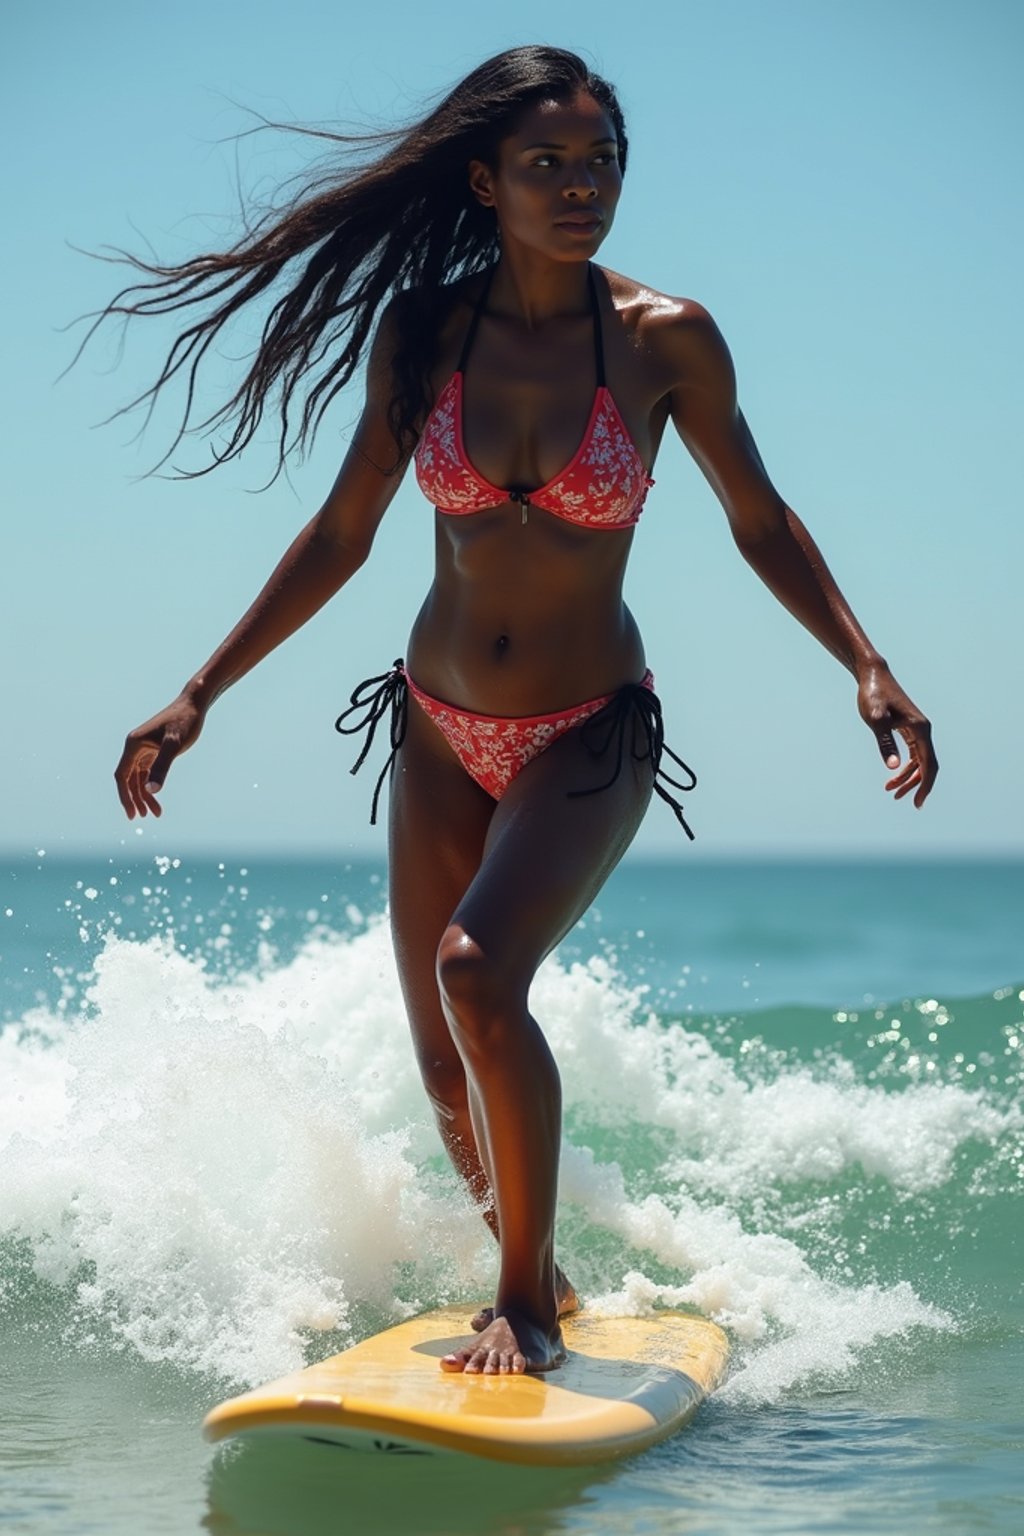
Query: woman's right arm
{"points": [[328, 551]]}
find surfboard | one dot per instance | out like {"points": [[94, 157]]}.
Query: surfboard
{"points": [[628, 1382]]}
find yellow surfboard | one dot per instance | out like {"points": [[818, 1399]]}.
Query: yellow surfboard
{"points": [[627, 1383]]}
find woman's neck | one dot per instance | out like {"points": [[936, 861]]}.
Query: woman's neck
{"points": [[530, 289]]}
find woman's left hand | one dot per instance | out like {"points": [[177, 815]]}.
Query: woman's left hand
{"points": [[886, 709]]}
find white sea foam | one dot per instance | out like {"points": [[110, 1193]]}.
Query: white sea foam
{"points": [[218, 1165], [734, 1136]]}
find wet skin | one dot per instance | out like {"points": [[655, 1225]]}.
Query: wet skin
{"points": [[523, 619]]}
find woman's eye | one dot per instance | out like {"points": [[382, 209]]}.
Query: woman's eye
{"points": [[606, 157]]}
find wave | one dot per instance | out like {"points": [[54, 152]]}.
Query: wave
{"points": [[231, 1171]]}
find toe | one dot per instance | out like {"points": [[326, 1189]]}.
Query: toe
{"points": [[458, 1360], [476, 1363]]}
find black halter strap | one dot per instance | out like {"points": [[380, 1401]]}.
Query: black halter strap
{"points": [[595, 310], [475, 321]]}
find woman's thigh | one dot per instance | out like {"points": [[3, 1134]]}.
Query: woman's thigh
{"points": [[546, 855], [438, 822]]}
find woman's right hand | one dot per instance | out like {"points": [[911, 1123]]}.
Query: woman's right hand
{"points": [[150, 750]]}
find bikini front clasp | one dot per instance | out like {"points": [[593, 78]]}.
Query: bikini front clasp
{"points": [[523, 498]]}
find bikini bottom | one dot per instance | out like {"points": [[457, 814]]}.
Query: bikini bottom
{"points": [[493, 749]]}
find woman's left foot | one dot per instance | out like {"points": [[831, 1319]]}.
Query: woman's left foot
{"points": [[508, 1346]]}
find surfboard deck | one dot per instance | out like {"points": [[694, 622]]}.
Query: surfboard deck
{"points": [[628, 1382]]}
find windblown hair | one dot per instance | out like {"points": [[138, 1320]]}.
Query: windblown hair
{"points": [[398, 221]]}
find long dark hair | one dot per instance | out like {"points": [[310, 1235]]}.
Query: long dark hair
{"points": [[401, 222]]}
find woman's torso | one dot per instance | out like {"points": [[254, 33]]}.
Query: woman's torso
{"points": [[525, 614]]}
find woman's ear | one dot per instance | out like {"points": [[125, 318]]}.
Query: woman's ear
{"points": [[481, 183]]}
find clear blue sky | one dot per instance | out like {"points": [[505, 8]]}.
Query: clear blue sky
{"points": [[838, 183]]}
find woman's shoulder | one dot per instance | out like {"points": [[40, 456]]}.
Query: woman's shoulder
{"points": [[438, 313], [678, 332]]}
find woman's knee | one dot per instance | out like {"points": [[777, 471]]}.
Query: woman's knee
{"points": [[480, 997]]}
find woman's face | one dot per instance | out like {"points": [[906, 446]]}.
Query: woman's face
{"points": [[557, 180]]}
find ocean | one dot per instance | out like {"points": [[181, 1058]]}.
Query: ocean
{"points": [[792, 1099]]}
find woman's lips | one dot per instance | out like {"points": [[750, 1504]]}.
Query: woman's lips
{"points": [[582, 223]]}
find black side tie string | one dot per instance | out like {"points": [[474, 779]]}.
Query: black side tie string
{"points": [[390, 693], [634, 701], [377, 696]]}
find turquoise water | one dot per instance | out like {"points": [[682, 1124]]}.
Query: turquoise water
{"points": [[792, 1099]]}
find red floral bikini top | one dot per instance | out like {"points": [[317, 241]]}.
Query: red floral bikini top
{"points": [[603, 485]]}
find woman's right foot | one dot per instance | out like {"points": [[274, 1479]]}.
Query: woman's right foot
{"points": [[566, 1301], [510, 1345]]}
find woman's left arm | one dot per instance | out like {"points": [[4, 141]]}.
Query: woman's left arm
{"points": [[775, 542]]}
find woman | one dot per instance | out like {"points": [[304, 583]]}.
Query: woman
{"points": [[526, 736]]}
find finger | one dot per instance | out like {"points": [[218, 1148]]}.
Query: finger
{"points": [[910, 770], [139, 781], [150, 801], [139, 807], [904, 790], [169, 748], [923, 762], [123, 779], [135, 785], [930, 775], [127, 804], [134, 758], [887, 744], [136, 778]]}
